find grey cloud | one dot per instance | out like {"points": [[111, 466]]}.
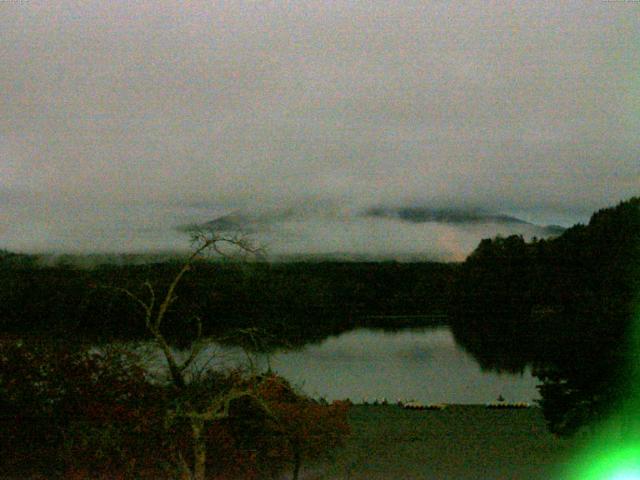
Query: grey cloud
{"points": [[116, 107]]}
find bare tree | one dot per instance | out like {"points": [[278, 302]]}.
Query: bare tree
{"points": [[155, 308]]}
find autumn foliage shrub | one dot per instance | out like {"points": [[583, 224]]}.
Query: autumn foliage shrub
{"points": [[310, 428], [270, 430], [79, 413], [69, 410]]}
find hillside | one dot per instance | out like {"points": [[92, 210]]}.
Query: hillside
{"points": [[564, 306]]}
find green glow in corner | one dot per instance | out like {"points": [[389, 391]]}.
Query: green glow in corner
{"points": [[612, 454], [613, 463]]}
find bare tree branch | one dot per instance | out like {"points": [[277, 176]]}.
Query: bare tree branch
{"points": [[152, 295], [218, 408], [148, 308], [196, 346]]}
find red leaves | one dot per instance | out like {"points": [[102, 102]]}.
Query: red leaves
{"points": [[304, 425], [82, 408], [96, 416]]}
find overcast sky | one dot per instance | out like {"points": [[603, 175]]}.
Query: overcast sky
{"points": [[121, 119]]}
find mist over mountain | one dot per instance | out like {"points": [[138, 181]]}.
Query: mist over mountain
{"points": [[123, 120], [317, 227], [372, 233], [251, 222]]}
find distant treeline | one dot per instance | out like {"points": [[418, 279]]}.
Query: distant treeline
{"points": [[293, 302], [564, 306]]}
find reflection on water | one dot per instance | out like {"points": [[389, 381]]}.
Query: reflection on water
{"points": [[420, 364]]}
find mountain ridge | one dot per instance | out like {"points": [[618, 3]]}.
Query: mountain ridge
{"points": [[248, 223]]}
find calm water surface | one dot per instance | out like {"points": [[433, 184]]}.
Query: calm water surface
{"points": [[424, 365]]}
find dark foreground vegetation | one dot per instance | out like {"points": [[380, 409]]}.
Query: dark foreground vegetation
{"points": [[76, 414]]}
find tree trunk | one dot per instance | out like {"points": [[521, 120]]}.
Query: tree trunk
{"points": [[185, 471], [199, 449], [297, 461]]}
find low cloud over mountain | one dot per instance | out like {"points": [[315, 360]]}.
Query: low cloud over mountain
{"points": [[123, 119], [401, 233]]}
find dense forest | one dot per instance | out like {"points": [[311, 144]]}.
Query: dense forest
{"points": [[292, 302], [564, 306]]}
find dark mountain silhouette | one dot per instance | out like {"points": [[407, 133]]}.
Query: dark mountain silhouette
{"points": [[454, 216], [425, 214], [232, 222]]}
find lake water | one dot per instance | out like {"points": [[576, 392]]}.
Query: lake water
{"points": [[414, 364]]}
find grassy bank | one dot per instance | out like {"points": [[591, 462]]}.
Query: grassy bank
{"points": [[458, 443]]}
